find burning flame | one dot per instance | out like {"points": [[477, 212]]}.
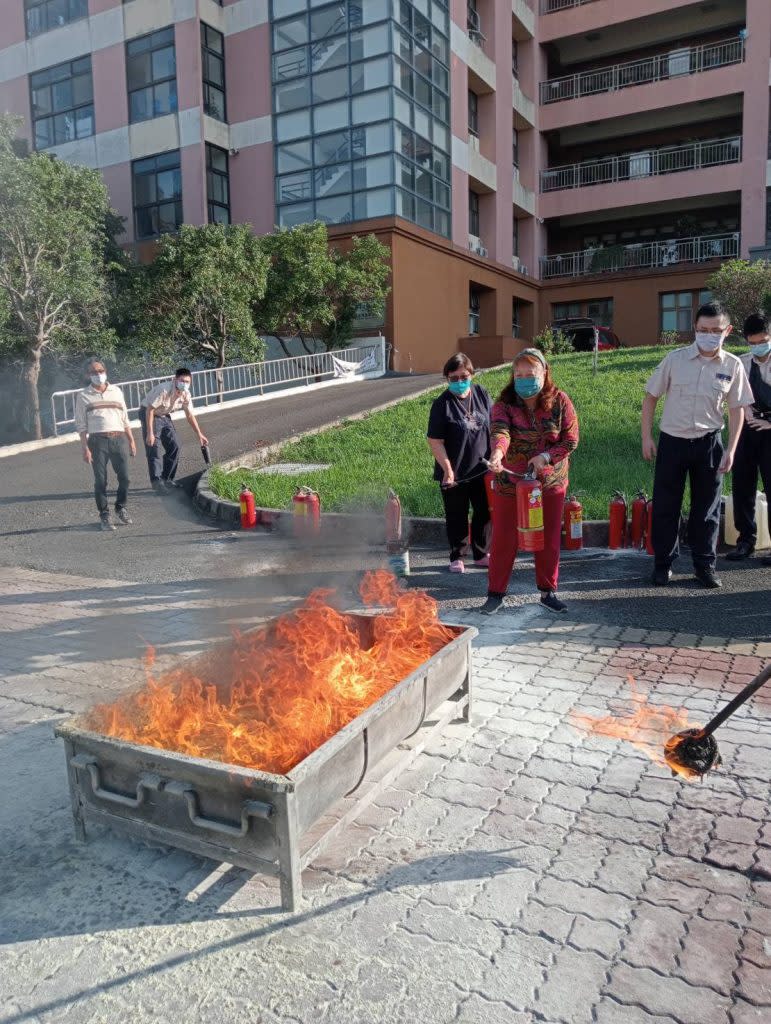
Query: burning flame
{"points": [[648, 728], [272, 696]]}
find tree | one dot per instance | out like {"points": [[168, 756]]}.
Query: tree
{"points": [[52, 243], [196, 295], [360, 280], [300, 274], [741, 287]]}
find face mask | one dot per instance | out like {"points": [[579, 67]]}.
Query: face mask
{"points": [[708, 342], [758, 351], [98, 378], [459, 387], [182, 385], [527, 387]]}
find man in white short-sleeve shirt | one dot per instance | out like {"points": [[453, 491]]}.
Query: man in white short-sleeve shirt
{"points": [[698, 383], [158, 427]]}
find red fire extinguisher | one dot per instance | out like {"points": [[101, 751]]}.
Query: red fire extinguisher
{"points": [[248, 509], [306, 506], [573, 525], [617, 521], [529, 501], [649, 527], [637, 520]]}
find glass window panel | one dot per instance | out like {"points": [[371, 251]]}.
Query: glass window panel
{"points": [[328, 22], [405, 174], [147, 221], [214, 102], [290, 216], [138, 70], [403, 46], [44, 133], [143, 45], [335, 211], [440, 77], [331, 85], [421, 122], [140, 105], [405, 141], [217, 188], [82, 66], [441, 135], [61, 94], [214, 69], [165, 98], [405, 205], [219, 215], [442, 222], [292, 95], [41, 101], [440, 106], [668, 300], [440, 48], [375, 10], [668, 320], [293, 126], [164, 63], [370, 43], [64, 128], [377, 138], [167, 217], [169, 184], [684, 299], [402, 109], [290, 64], [424, 214], [164, 37], [705, 296], [292, 187], [82, 90], [330, 54], [423, 152], [441, 194], [424, 183], [213, 39], [218, 159], [369, 107], [403, 13], [331, 148], [421, 29], [421, 6], [290, 33], [292, 6], [422, 61], [57, 13], [374, 172], [293, 157], [402, 76], [330, 116], [84, 122], [332, 180], [373, 74], [422, 91], [438, 16]]}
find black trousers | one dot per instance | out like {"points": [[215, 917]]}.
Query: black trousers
{"points": [[163, 430], [753, 456], [697, 461], [114, 451], [456, 507]]}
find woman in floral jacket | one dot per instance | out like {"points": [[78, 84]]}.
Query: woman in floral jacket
{"points": [[533, 426]]}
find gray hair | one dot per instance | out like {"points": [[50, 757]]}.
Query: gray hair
{"points": [[90, 362]]}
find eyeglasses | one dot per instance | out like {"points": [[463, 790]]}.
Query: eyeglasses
{"points": [[454, 377]]}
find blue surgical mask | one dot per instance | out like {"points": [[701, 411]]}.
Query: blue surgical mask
{"points": [[708, 342], [459, 387], [182, 385], [98, 379], [758, 351], [527, 387]]}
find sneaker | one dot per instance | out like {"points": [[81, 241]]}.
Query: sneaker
{"points": [[742, 550], [552, 602], [707, 578], [483, 562], [123, 516], [662, 574], [493, 604], [106, 524], [457, 566], [158, 486], [170, 485]]}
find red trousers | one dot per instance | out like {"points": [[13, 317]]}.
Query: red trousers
{"points": [[503, 550]]}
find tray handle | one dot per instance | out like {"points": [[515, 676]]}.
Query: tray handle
{"points": [[249, 809], [146, 781]]}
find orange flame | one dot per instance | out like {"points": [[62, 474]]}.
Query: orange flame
{"points": [[272, 696], [647, 727]]}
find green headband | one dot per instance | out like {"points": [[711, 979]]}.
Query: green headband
{"points": [[532, 353]]}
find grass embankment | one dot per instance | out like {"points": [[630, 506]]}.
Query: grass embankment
{"points": [[388, 448]]}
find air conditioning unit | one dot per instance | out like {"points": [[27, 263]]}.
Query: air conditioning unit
{"points": [[473, 141], [515, 263], [479, 250], [523, 270]]}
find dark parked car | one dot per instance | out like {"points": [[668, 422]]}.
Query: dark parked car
{"points": [[580, 330]]}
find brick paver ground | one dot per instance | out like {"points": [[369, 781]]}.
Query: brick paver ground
{"points": [[518, 872]]}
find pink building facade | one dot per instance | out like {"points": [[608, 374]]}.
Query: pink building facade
{"points": [[558, 157]]}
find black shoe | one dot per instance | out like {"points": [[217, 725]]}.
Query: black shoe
{"points": [[742, 550], [491, 605], [662, 574], [158, 486], [170, 485], [123, 516], [552, 602], [766, 560], [707, 578]]}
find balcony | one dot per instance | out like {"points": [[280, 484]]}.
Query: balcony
{"points": [[643, 164], [642, 256], [658, 68], [552, 6]]}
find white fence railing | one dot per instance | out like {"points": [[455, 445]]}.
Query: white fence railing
{"points": [[243, 379], [641, 256]]}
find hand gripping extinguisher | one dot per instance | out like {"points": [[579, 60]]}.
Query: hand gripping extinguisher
{"points": [[649, 527], [616, 521], [306, 506], [529, 502], [637, 520], [248, 509], [573, 525], [396, 549]]}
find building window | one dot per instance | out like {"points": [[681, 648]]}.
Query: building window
{"points": [[565, 310], [601, 312], [213, 63], [515, 318], [217, 185], [157, 185], [515, 58], [474, 305], [43, 15], [473, 213], [515, 148], [151, 70], [473, 113], [62, 103], [678, 309]]}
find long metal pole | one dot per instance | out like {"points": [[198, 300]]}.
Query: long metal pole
{"points": [[736, 703]]}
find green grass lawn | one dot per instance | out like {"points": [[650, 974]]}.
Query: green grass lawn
{"points": [[388, 448]]}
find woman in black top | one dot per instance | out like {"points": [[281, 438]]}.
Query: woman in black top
{"points": [[459, 438]]}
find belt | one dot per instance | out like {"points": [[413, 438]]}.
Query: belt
{"points": [[108, 433], [693, 440]]}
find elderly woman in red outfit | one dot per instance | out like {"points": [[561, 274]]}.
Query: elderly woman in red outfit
{"points": [[533, 426]]}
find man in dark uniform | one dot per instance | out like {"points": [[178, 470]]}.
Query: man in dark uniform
{"points": [[699, 382], [753, 454]]}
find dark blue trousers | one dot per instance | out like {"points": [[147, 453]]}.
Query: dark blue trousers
{"points": [[753, 456], [161, 467], [697, 461]]}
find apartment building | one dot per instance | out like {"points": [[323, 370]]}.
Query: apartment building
{"points": [[523, 160]]}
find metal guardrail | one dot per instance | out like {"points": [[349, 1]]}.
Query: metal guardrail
{"points": [[552, 6], [643, 256], [688, 60], [643, 164], [215, 386]]}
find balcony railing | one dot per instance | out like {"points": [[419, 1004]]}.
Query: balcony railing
{"points": [[643, 164], [552, 6], [642, 256], [689, 60]]}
